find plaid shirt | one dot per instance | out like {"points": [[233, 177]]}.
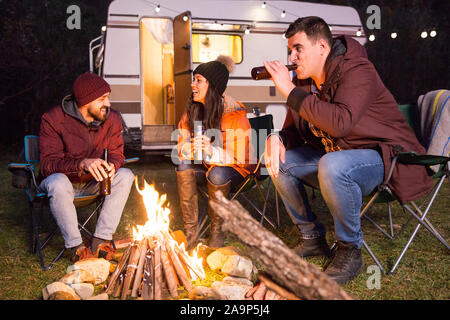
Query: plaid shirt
{"points": [[328, 141]]}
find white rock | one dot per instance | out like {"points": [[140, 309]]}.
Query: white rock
{"points": [[83, 290], [238, 266], [230, 291], [216, 259], [99, 268], [101, 296], [55, 287], [78, 276], [237, 281]]}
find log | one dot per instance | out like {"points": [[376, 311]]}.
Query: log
{"points": [[158, 274], [272, 286], [179, 269], [131, 269], [115, 275], [169, 273], [140, 269], [287, 269], [147, 281], [118, 287]]}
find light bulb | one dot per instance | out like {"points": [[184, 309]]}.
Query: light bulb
{"points": [[263, 5], [358, 33], [157, 8], [185, 18], [394, 35], [433, 33], [371, 37], [283, 14], [424, 35]]}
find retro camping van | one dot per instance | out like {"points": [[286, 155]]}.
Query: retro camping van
{"points": [[148, 50]]}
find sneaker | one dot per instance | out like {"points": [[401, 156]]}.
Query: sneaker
{"points": [[81, 253], [107, 252], [346, 264]]}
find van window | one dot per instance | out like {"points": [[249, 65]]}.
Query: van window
{"points": [[206, 47]]}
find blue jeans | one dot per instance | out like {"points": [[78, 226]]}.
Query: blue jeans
{"points": [[61, 193], [217, 175], [343, 178]]}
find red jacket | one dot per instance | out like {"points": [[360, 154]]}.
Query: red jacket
{"points": [[359, 112], [65, 139]]}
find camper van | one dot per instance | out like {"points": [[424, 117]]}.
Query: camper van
{"points": [[148, 50]]}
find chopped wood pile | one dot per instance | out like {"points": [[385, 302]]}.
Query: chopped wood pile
{"points": [[152, 269]]}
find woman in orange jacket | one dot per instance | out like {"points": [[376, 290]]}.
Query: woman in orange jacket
{"points": [[214, 136]]}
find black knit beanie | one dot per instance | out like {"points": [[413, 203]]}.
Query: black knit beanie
{"points": [[88, 87], [216, 73]]}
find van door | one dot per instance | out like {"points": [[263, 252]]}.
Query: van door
{"points": [[182, 61]]}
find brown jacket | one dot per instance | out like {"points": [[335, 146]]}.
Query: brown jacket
{"points": [[357, 110]]}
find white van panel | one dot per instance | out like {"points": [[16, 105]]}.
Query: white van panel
{"points": [[122, 52]]}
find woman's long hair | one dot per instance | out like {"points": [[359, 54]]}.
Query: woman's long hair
{"points": [[210, 114]]}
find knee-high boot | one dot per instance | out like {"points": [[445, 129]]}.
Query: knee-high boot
{"points": [[187, 192], [217, 235]]}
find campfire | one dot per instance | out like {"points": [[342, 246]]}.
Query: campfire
{"points": [[154, 263]]}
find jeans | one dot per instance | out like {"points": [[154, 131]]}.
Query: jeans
{"points": [[61, 193], [217, 175], [343, 178]]}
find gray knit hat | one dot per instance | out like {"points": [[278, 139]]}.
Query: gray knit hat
{"points": [[217, 72]]}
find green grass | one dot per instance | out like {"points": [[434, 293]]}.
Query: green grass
{"points": [[422, 274]]}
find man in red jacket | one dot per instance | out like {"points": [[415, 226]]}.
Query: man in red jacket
{"points": [[339, 136], [72, 140]]}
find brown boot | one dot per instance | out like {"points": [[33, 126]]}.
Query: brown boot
{"points": [[217, 236], [187, 192]]}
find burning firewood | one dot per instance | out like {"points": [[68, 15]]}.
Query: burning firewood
{"points": [[154, 260]]}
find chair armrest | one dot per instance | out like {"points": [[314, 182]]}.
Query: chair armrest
{"points": [[421, 159], [131, 160]]}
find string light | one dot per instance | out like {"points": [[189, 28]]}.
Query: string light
{"points": [[331, 29], [284, 36], [157, 8], [371, 37], [433, 33], [358, 33], [394, 35], [283, 14], [263, 5], [247, 31], [424, 35], [185, 18]]}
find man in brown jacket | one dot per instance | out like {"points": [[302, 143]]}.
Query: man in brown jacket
{"points": [[72, 139], [339, 136]]}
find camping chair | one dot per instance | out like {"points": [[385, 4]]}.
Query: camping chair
{"points": [[24, 177], [384, 194], [261, 126]]}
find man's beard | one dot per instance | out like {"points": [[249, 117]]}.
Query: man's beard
{"points": [[99, 116]]}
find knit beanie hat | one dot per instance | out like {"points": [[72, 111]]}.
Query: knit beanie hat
{"points": [[217, 72], [88, 87]]}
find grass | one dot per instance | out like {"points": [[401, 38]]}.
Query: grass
{"points": [[422, 274]]}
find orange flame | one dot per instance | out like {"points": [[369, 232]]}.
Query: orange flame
{"points": [[157, 225]]}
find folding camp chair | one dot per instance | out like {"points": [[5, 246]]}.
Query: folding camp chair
{"points": [[24, 177], [384, 194], [261, 126]]}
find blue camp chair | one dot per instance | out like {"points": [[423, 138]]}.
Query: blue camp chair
{"points": [[24, 177]]}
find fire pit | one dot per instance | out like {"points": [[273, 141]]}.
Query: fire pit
{"points": [[154, 260]]}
